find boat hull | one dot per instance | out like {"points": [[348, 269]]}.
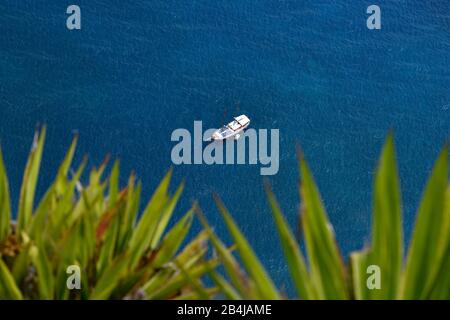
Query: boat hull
{"points": [[217, 137]]}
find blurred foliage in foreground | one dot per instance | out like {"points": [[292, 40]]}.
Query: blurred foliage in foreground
{"points": [[122, 257], [322, 274], [96, 228]]}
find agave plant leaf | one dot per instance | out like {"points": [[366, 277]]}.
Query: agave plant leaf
{"points": [[107, 231], [295, 261], [93, 196], [263, 282], [386, 251], [61, 290], [75, 247], [142, 237], [446, 220], [165, 217], [39, 221], [110, 279], [66, 253], [358, 269], [194, 283], [224, 286], [85, 238], [173, 241], [5, 206], [327, 269], [29, 182], [8, 288], [111, 229], [61, 177], [440, 288], [130, 287], [193, 295], [158, 281], [127, 220], [63, 212], [21, 263], [170, 281], [158, 257], [195, 250], [387, 242], [107, 228], [66, 163], [45, 277], [430, 236], [114, 184], [238, 278], [66, 213]]}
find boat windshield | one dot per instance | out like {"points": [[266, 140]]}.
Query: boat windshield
{"points": [[234, 125], [224, 131]]}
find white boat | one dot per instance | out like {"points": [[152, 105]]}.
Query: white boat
{"points": [[232, 129]]}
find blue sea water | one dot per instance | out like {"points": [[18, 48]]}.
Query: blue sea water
{"points": [[137, 70]]}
